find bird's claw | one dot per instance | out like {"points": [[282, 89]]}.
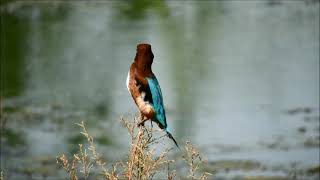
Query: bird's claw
{"points": [[141, 124]]}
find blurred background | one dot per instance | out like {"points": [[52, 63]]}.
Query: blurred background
{"points": [[240, 80]]}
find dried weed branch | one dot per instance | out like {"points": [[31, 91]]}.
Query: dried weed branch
{"points": [[143, 163], [86, 160], [69, 168], [195, 162]]}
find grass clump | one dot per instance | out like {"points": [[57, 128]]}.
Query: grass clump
{"points": [[143, 162]]}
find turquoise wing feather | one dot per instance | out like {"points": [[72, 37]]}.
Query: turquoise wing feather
{"points": [[160, 116], [157, 101]]}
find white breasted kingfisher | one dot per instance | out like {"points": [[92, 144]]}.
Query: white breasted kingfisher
{"points": [[145, 90]]}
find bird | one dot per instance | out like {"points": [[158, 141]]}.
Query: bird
{"points": [[145, 90]]}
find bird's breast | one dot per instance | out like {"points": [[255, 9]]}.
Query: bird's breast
{"points": [[127, 81]]}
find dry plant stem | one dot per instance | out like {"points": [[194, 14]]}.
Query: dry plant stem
{"points": [[142, 163], [194, 161], [170, 175], [96, 157], [138, 148], [63, 161], [86, 164], [73, 172], [87, 160], [135, 153]]}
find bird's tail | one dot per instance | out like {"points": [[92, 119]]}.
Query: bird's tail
{"points": [[171, 137]]}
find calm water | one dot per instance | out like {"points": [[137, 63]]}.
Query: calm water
{"points": [[240, 79]]}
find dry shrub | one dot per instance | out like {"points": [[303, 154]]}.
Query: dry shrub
{"points": [[142, 162], [195, 162], [86, 160]]}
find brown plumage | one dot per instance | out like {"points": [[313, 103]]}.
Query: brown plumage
{"points": [[137, 83]]}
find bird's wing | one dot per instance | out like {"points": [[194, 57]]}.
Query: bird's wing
{"points": [[157, 99], [144, 89]]}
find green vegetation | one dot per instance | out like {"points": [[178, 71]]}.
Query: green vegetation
{"points": [[12, 138]]}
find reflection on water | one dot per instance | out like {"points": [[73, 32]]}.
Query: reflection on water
{"points": [[12, 47], [229, 73]]}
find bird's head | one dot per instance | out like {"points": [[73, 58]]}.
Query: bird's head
{"points": [[144, 56]]}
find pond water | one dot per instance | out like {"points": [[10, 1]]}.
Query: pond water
{"points": [[240, 80]]}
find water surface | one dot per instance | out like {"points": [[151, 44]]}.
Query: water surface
{"points": [[240, 79]]}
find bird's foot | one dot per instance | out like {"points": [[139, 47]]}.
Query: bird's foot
{"points": [[143, 120], [141, 124]]}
